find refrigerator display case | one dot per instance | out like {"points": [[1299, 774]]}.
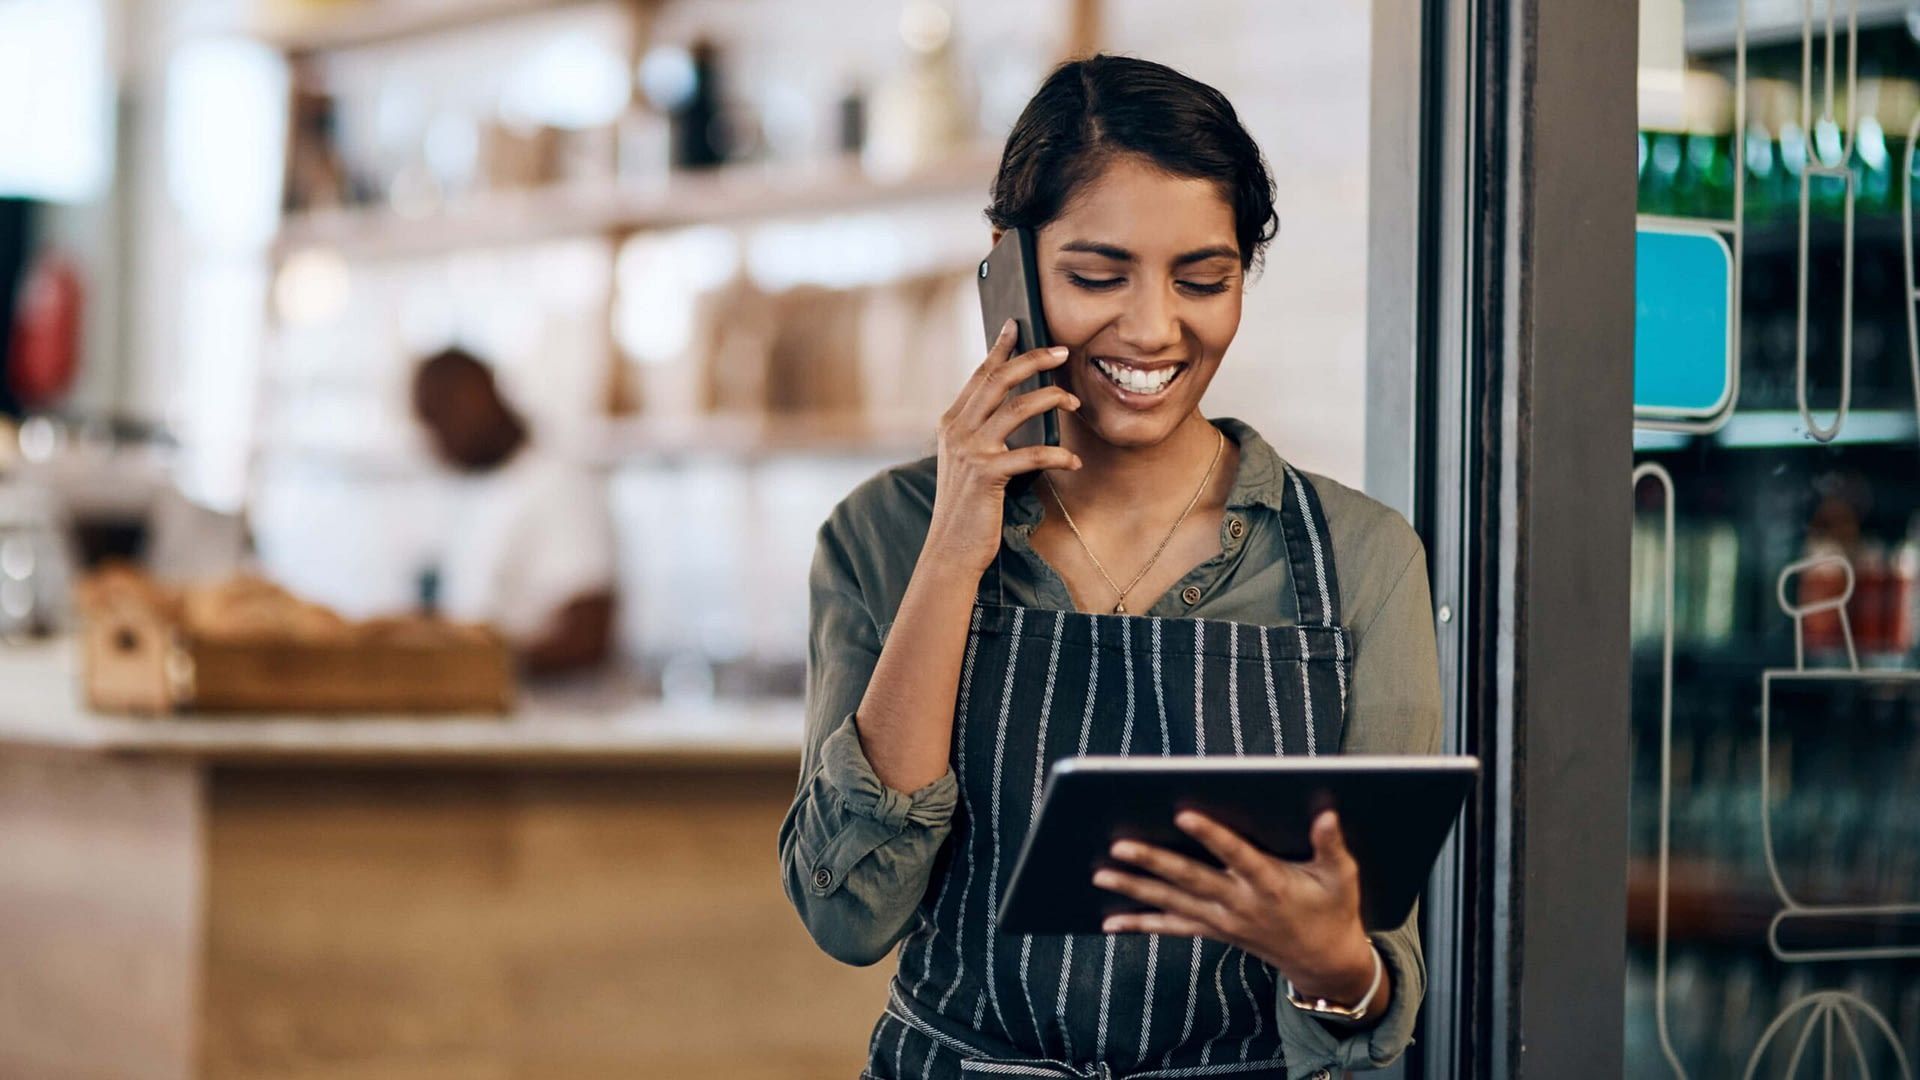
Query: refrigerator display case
{"points": [[1774, 876]]}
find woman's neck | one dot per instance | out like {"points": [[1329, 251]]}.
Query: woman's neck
{"points": [[1142, 485]]}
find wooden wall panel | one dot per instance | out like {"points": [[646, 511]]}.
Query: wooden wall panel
{"points": [[487, 924], [99, 916]]}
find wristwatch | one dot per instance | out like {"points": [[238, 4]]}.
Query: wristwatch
{"points": [[1323, 1008]]}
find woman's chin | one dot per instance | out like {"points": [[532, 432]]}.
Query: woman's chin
{"points": [[1128, 428]]}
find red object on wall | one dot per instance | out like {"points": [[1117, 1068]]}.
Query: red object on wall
{"points": [[45, 355]]}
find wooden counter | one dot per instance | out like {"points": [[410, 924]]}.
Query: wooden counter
{"points": [[588, 888]]}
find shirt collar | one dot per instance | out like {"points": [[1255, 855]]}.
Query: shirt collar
{"points": [[1261, 480]]}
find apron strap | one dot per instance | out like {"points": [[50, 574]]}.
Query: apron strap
{"points": [[992, 588], [1316, 586], [998, 591]]}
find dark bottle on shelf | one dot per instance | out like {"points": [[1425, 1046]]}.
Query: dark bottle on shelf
{"points": [[1822, 634], [685, 85], [316, 176]]}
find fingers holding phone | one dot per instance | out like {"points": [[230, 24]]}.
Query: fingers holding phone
{"points": [[1010, 292], [976, 460]]}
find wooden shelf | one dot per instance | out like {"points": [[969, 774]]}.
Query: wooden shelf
{"points": [[745, 437], [377, 22], [1766, 429], [731, 193], [1706, 905], [756, 435]]}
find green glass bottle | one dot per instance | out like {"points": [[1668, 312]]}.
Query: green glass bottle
{"points": [[1662, 141], [1703, 184], [1657, 179], [1882, 145], [1772, 189]]}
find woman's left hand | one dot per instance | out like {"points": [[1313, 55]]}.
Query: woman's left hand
{"points": [[1301, 917]]}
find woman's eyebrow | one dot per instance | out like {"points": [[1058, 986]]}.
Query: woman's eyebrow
{"points": [[1120, 254], [1095, 247], [1217, 251]]}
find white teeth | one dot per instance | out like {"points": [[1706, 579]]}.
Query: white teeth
{"points": [[1140, 382]]}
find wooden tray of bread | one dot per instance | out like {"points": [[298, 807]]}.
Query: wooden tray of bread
{"points": [[247, 646]]}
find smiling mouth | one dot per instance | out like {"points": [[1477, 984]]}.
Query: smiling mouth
{"points": [[1139, 381]]}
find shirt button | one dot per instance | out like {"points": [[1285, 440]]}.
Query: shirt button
{"points": [[1191, 594], [822, 878], [1322, 1074], [1236, 528]]}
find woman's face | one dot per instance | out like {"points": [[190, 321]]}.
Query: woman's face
{"points": [[1140, 278]]}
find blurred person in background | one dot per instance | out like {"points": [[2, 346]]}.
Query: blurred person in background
{"points": [[532, 551]]}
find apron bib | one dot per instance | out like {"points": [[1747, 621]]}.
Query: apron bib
{"points": [[1037, 685]]}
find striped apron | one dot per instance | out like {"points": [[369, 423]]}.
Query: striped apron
{"points": [[1039, 685]]}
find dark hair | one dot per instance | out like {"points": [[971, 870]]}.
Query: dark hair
{"points": [[436, 378], [1091, 110]]}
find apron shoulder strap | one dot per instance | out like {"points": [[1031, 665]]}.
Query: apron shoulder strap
{"points": [[1316, 585], [992, 588]]}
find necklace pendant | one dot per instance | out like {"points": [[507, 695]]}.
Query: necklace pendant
{"points": [[1120, 608]]}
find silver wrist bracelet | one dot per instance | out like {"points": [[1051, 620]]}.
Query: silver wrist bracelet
{"points": [[1323, 1007]]}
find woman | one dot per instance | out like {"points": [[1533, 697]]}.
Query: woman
{"points": [[1157, 584]]}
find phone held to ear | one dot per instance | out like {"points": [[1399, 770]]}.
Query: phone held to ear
{"points": [[1010, 289]]}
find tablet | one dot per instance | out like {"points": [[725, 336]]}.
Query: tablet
{"points": [[1395, 812]]}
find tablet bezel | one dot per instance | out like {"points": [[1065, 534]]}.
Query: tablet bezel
{"points": [[1398, 835]]}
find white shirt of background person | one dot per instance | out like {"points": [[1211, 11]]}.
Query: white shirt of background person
{"points": [[528, 538]]}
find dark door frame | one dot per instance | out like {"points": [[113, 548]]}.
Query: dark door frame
{"points": [[1501, 336]]}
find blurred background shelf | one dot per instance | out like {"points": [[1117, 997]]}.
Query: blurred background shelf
{"points": [[357, 23], [1703, 905], [1707, 906], [1766, 429], [748, 436], [733, 193], [741, 438]]}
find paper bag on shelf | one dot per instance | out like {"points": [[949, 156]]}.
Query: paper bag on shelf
{"points": [[813, 364]]}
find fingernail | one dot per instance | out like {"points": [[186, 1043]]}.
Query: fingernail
{"points": [[1103, 878], [1074, 401], [1124, 850], [1058, 350], [1076, 461], [1006, 328], [1110, 926]]}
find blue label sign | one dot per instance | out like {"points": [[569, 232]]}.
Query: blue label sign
{"points": [[1683, 322]]}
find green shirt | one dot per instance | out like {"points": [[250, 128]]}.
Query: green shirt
{"points": [[857, 856]]}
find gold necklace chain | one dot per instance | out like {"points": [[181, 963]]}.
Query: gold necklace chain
{"points": [[1120, 605]]}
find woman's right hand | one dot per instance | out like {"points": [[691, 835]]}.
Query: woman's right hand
{"points": [[974, 462]]}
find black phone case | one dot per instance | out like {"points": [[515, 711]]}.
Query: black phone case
{"points": [[1010, 289]]}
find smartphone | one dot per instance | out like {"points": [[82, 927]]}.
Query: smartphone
{"points": [[1010, 289]]}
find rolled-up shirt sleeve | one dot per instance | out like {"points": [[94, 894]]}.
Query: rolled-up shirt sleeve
{"points": [[855, 854], [1312, 1045], [1395, 710]]}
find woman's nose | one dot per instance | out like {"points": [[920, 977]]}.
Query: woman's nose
{"points": [[1150, 324]]}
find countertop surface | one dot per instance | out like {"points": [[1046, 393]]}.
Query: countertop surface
{"points": [[593, 723]]}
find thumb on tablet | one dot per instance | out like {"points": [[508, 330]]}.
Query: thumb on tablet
{"points": [[1329, 843]]}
